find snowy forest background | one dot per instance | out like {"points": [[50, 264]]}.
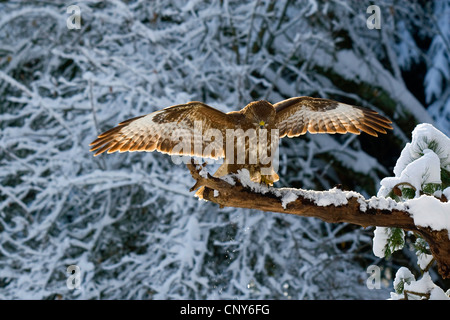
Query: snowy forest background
{"points": [[128, 220]]}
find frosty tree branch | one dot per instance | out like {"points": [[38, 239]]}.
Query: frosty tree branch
{"points": [[331, 206]]}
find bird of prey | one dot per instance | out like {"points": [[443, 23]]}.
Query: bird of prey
{"points": [[196, 129]]}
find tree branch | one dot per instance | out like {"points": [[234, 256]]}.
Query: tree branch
{"points": [[344, 206]]}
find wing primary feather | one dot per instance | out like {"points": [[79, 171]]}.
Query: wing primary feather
{"points": [[313, 128], [352, 128], [100, 141], [340, 128], [367, 129], [104, 148], [374, 126], [327, 116], [125, 147], [136, 143], [117, 146], [110, 132], [143, 143], [152, 131], [150, 146], [126, 122], [381, 121], [322, 128], [329, 124]]}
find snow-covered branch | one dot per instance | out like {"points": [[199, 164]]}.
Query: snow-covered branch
{"points": [[333, 206]]}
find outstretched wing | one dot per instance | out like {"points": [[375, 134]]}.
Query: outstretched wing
{"points": [[185, 129], [296, 116]]}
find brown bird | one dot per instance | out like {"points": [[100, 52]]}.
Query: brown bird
{"points": [[246, 139]]}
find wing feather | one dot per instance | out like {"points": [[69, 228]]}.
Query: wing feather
{"points": [[296, 116], [165, 129]]}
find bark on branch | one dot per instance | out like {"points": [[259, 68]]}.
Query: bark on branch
{"points": [[227, 194]]}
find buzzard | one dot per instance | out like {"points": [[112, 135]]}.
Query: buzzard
{"points": [[246, 139]]}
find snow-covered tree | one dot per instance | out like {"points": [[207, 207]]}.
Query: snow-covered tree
{"points": [[128, 220], [421, 172]]}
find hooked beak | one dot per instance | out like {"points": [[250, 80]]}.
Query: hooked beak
{"points": [[261, 124]]}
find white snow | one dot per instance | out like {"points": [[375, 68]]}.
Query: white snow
{"points": [[423, 260], [403, 275], [422, 135], [244, 177], [425, 285], [428, 211], [413, 289], [446, 193], [418, 165], [425, 169], [380, 239], [288, 198], [333, 196], [384, 204], [380, 242], [203, 172], [229, 179]]}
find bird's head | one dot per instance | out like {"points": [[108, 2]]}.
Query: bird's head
{"points": [[261, 113]]}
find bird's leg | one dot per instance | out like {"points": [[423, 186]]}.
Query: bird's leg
{"points": [[268, 175], [266, 180]]}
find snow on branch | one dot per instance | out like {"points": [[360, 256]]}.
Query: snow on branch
{"points": [[333, 206]]}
